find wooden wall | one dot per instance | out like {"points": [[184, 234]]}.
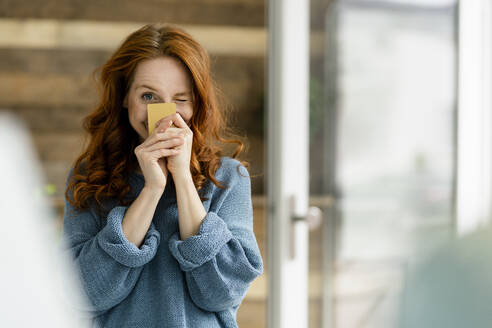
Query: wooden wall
{"points": [[49, 50]]}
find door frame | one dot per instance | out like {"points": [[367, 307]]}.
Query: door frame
{"points": [[287, 155]]}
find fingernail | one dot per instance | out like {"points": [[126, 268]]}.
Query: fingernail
{"points": [[170, 123]]}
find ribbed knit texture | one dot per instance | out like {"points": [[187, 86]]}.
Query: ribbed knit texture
{"points": [[167, 282]]}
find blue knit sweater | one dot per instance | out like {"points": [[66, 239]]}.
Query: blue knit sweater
{"points": [[198, 282]]}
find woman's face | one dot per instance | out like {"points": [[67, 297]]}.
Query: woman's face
{"points": [[162, 79]]}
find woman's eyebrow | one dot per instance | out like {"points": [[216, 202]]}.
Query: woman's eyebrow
{"points": [[146, 86], [187, 93], [179, 94]]}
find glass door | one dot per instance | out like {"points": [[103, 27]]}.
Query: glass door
{"points": [[382, 151]]}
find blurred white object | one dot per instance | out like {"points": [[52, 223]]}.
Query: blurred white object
{"points": [[474, 179], [38, 288]]}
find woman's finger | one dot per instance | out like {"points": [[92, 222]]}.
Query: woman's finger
{"points": [[179, 122], [161, 127], [163, 152], [163, 124], [169, 143], [161, 136]]}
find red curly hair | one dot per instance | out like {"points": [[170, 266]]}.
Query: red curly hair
{"points": [[100, 171]]}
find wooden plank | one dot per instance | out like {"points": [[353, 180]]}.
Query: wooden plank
{"points": [[55, 173], [252, 314], [51, 61], [33, 90], [58, 147], [48, 78], [255, 154], [67, 119], [239, 13], [241, 80], [49, 34]]}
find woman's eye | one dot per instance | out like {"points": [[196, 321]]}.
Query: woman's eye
{"points": [[147, 96], [181, 100]]}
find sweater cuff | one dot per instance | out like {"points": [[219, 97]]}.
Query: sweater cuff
{"points": [[199, 249], [113, 241]]}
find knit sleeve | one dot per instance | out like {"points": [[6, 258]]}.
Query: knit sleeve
{"points": [[108, 264], [222, 260]]}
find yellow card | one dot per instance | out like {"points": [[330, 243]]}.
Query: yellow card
{"points": [[157, 111]]}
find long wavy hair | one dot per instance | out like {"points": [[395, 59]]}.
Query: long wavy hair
{"points": [[100, 171]]}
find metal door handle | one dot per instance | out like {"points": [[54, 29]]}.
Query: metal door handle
{"points": [[313, 218]]}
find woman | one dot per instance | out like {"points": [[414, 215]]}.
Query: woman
{"points": [[160, 225]]}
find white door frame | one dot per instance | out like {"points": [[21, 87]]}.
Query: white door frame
{"points": [[474, 135], [287, 162]]}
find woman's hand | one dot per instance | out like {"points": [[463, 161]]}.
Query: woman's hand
{"points": [[179, 164], [152, 153]]}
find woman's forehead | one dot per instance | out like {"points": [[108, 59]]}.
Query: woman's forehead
{"points": [[162, 73]]}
